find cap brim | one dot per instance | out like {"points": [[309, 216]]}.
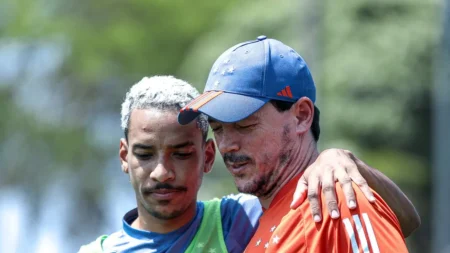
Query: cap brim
{"points": [[221, 106]]}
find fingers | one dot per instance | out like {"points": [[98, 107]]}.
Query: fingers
{"points": [[356, 176], [346, 184], [329, 192], [300, 193], [313, 197], [354, 165], [330, 165], [362, 184]]}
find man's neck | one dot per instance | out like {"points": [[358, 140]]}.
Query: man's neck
{"points": [[299, 161], [148, 222]]}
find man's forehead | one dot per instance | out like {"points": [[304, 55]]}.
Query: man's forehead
{"points": [[166, 139], [157, 123], [145, 115]]}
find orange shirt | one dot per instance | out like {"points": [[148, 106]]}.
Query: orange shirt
{"points": [[369, 228]]}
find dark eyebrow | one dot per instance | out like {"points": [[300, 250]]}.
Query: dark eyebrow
{"points": [[181, 145], [141, 146]]}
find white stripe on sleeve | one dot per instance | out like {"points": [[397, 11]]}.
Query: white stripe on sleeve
{"points": [[351, 235], [361, 235], [370, 232]]}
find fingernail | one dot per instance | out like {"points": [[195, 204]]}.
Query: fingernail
{"points": [[334, 214], [351, 204], [316, 218], [372, 199]]}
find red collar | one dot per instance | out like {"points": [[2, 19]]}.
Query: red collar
{"points": [[286, 191]]}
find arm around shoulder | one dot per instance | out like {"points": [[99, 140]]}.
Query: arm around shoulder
{"points": [[370, 226], [399, 203]]}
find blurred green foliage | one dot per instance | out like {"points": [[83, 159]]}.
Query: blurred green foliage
{"points": [[372, 61]]}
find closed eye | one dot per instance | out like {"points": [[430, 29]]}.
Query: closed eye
{"points": [[145, 156], [246, 126], [182, 156], [215, 127]]}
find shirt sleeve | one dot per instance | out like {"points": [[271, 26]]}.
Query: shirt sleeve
{"points": [[240, 214], [368, 228], [93, 247]]}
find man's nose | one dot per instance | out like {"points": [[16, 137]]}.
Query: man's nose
{"points": [[161, 173], [229, 142]]}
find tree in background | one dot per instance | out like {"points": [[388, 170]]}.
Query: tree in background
{"points": [[377, 80], [67, 65]]}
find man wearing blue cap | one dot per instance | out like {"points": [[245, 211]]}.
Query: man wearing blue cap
{"points": [[259, 98], [166, 161]]}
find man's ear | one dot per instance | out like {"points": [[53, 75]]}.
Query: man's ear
{"points": [[303, 110], [210, 155], [123, 153]]}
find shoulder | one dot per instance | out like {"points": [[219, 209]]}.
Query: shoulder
{"points": [[115, 239], [240, 214], [241, 197], [93, 247], [235, 202], [379, 209], [105, 243], [241, 206], [370, 225]]}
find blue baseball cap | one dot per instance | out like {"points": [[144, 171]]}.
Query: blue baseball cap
{"points": [[247, 76]]}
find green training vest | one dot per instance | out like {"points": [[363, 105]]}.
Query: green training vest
{"points": [[208, 239]]}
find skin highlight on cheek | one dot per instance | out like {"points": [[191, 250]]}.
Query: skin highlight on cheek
{"points": [[270, 177]]}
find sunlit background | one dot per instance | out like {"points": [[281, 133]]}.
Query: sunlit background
{"points": [[381, 69]]}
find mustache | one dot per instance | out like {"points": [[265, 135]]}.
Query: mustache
{"points": [[234, 158], [159, 186]]}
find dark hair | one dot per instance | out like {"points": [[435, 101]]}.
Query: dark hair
{"points": [[282, 106], [125, 131]]}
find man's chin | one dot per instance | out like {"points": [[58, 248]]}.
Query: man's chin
{"points": [[166, 213], [250, 186], [245, 186]]}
